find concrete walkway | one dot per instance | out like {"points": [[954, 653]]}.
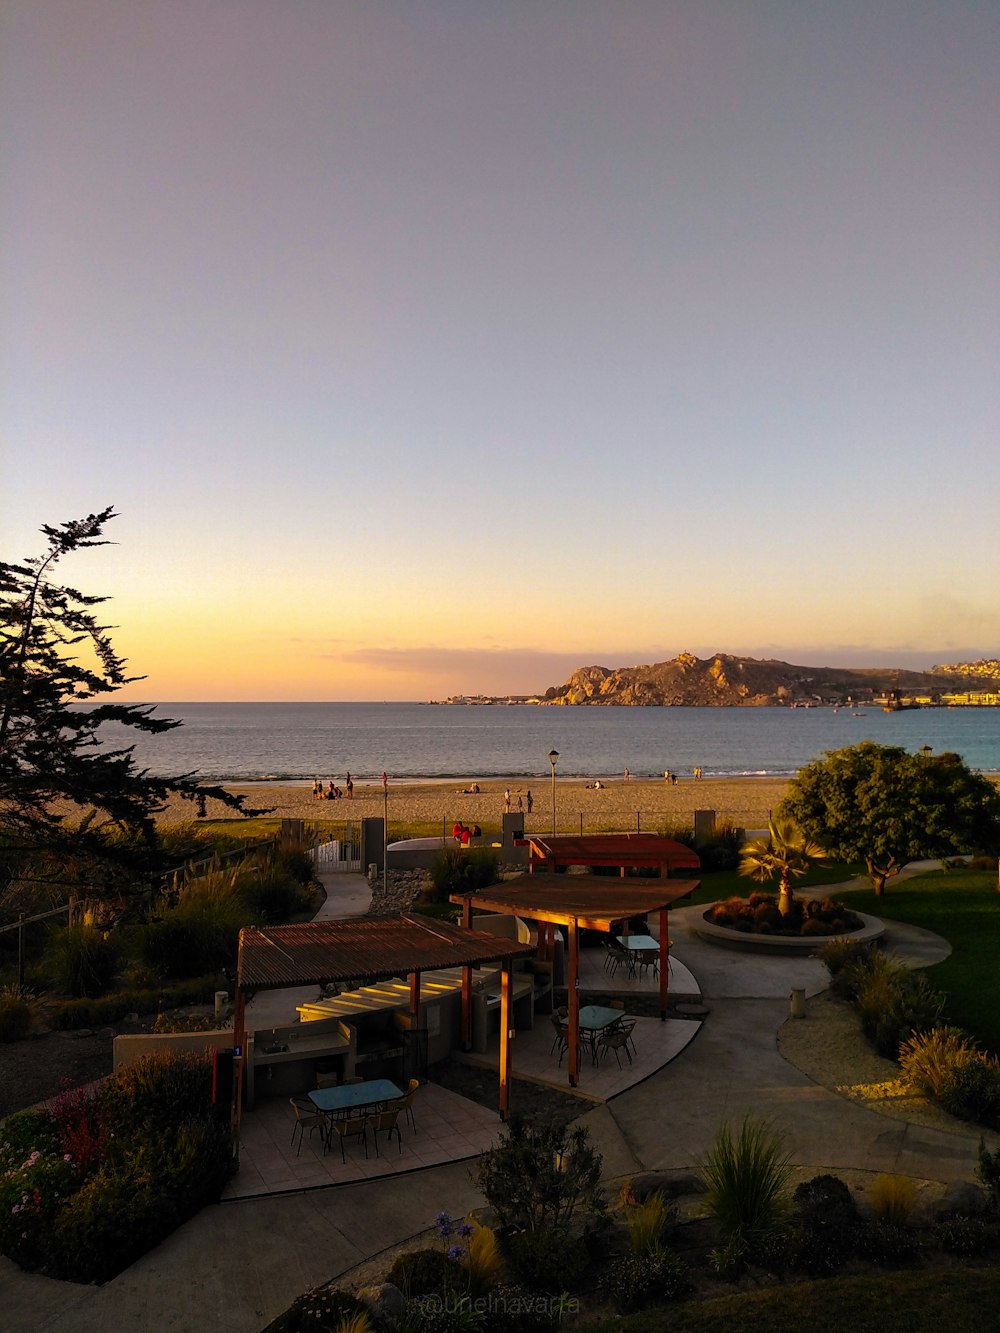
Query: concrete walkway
{"points": [[238, 1265]]}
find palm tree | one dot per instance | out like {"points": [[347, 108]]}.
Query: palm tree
{"points": [[785, 852]]}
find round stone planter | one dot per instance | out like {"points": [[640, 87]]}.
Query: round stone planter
{"points": [[794, 946]]}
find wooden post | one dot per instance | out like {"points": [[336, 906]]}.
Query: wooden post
{"points": [[506, 1019], [573, 1004], [239, 1044], [664, 964], [467, 983]]}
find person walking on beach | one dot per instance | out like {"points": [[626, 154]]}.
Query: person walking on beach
{"points": [[349, 784], [506, 802], [529, 799], [520, 806], [626, 775]]}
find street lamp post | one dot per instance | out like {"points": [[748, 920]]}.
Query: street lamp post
{"points": [[385, 834], [553, 760]]}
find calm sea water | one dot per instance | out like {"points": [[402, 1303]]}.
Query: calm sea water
{"points": [[299, 741]]}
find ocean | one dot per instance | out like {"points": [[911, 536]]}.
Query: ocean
{"points": [[295, 742]]}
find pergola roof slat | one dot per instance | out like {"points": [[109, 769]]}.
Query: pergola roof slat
{"points": [[347, 950]]}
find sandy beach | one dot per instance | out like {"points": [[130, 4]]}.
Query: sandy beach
{"points": [[745, 802]]}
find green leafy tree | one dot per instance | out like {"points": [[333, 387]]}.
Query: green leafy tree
{"points": [[786, 852], [72, 807], [886, 807]]}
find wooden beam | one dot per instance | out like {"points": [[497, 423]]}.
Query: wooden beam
{"points": [[573, 1004], [506, 1018], [664, 964]]}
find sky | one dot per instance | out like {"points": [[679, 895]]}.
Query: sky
{"points": [[445, 346]]}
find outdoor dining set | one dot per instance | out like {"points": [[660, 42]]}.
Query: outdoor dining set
{"points": [[603, 1029], [638, 954], [355, 1110]]}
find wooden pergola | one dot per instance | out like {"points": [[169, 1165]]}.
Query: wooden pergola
{"points": [[626, 851], [579, 902], [368, 949]]}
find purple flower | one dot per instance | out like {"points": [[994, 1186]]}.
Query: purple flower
{"points": [[465, 1230], [456, 1252]]}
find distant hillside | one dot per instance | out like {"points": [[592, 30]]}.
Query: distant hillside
{"points": [[987, 668], [727, 681]]}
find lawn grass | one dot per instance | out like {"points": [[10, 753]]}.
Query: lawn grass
{"points": [[890, 1302], [963, 906]]}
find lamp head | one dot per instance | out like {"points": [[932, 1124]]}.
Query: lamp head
{"points": [[553, 756]]}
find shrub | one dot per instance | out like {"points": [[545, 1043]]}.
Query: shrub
{"points": [[633, 1281], [15, 1013], [429, 1314], [893, 1198], [160, 1089], [841, 957], [746, 1177], [33, 1187], [539, 1173], [988, 1171], [890, 1245], [426, 1273], [320, 1311], [971, 1091], [894, 1003], [83, 961], [967, 1237], [550, 1261], [186, 945], [827, 1226], [271, 892], [928, 1058], [463, 870], [510, 1308]]}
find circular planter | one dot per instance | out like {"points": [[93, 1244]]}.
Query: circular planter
{"points": [[795, 946]]}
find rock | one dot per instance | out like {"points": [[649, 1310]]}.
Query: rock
{"points": [[672, 1186], [78, 1033], [131, 1018], [107, 1032], [385, 1301], [962, 1199]]}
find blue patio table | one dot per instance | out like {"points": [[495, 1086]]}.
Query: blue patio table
{"points": [[595, 1019], [643, 951], [353, 1097]]}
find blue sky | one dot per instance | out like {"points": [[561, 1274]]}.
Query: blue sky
{"points": [[428, 348]]}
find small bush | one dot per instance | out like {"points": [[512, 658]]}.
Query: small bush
{"points": [[826, 1226], [463, 870], [186, 945], [928, 1059], [746, 1176], [538, 1174], [550, 1261], [426, 1273], [513, 1309], [967, 1237], [83, 961], [845, 960], [633, 1281], [988, 1171], [160, 1089], [890, 1246], [319, 1311], [15, 1013], [972, 1092], [893, 1198]]}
